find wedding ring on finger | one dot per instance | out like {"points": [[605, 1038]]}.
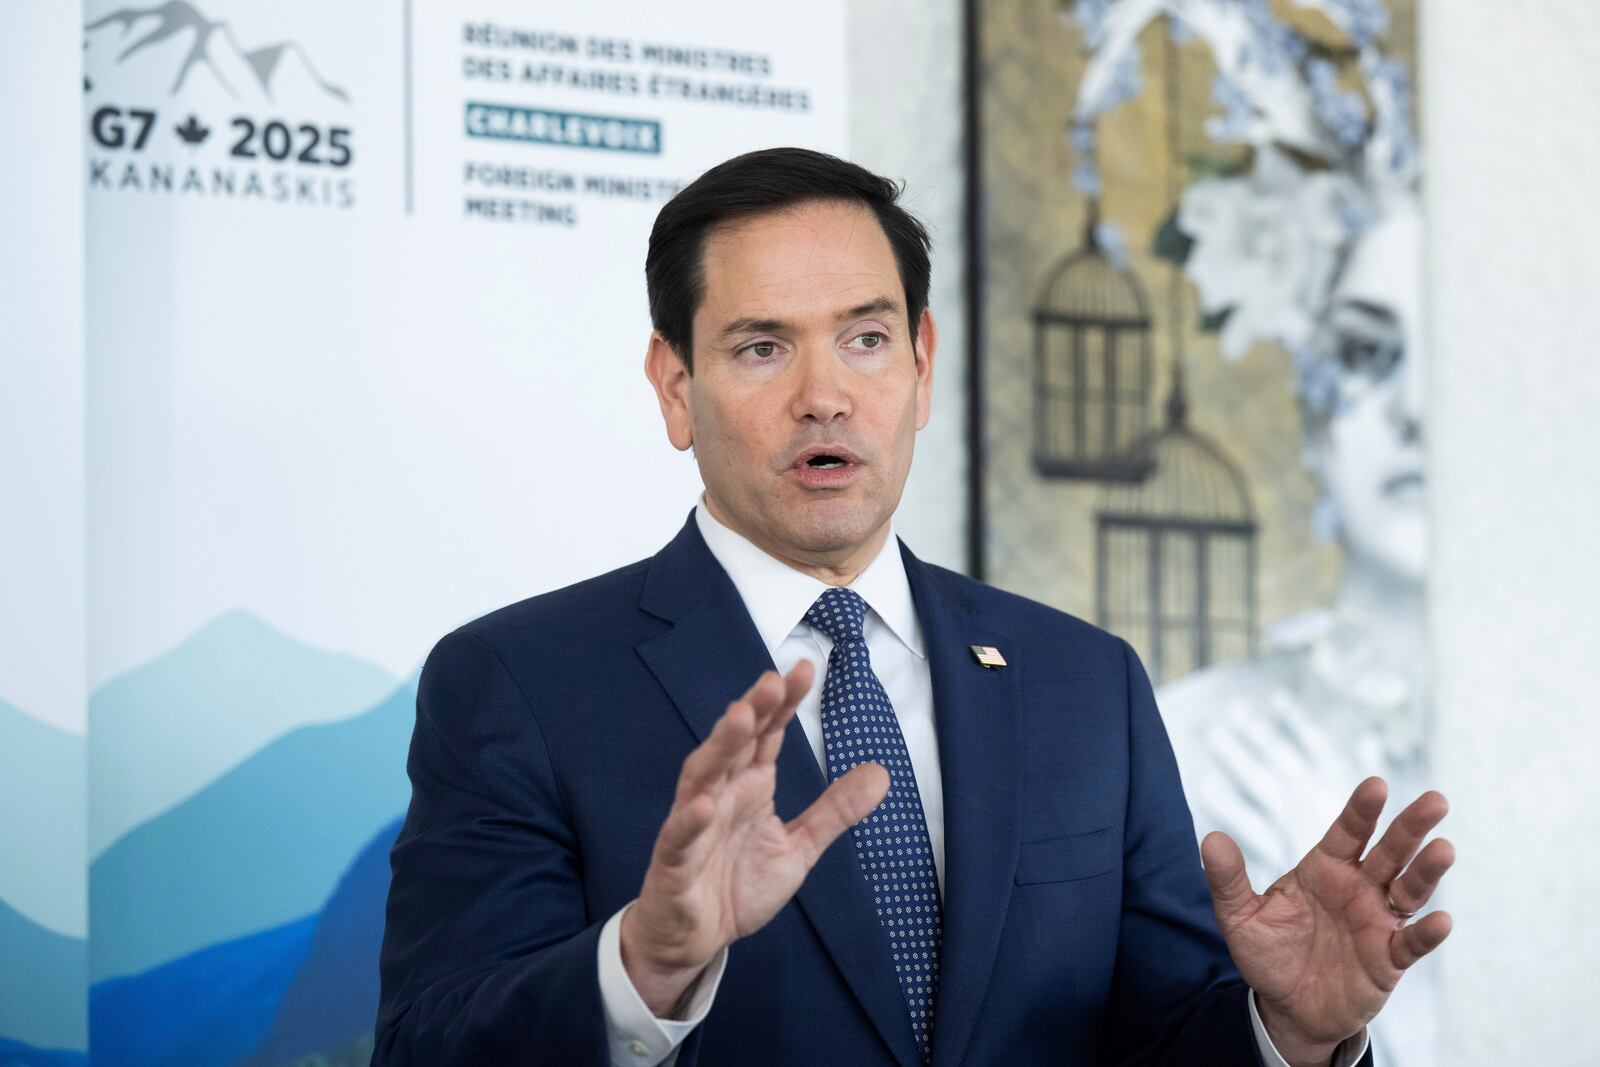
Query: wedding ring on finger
{"points": [[1403, 916]]}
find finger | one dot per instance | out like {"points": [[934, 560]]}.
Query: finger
{"points": [[685, 824], [797, 684], [1312, 740], [1225, 873], [1404, 836], [720, 752], [766, 697], [1420, 938], [1347, 838], [850, 798], [1410, 892], [731, 750]]}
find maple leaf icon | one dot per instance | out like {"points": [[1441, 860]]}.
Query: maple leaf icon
{"points": [[192, 132]]}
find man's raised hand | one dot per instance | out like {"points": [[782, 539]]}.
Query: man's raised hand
{"points": [[1323, 948], [724, 863]]}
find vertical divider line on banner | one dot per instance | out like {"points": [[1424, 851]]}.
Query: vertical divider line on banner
{"points": [[406, 67]]}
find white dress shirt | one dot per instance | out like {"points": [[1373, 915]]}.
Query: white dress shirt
{"points": [[777, 598]]}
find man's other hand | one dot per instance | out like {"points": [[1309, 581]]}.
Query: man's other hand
{"points": [[1326, 944], [724, 863]]}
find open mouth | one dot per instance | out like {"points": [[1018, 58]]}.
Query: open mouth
{"points": [[1407, 481], [826, 466]]}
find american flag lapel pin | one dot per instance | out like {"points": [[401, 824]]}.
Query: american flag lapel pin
{"points": [[988, 655]]}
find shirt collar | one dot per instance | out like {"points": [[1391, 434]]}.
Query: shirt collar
{"points": [[777, 596]]}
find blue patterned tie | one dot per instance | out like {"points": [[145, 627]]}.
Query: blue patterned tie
{"points": [[859, 726]]}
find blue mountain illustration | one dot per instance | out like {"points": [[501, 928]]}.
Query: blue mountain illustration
{"points": [[212, 1007], [260, 847], [163, 731], [43, 978], [333, 1001], [43, 869], [16, 1054], [211, 44]]}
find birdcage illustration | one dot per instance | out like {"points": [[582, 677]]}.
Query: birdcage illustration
{"points": [[1176, 550], [1175, 554], [1092, 366]]}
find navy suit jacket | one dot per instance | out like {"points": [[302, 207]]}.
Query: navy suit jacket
{"points": [[1077, 925]]}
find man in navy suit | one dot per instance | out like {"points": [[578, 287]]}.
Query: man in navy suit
{"points": [[620, 850]]}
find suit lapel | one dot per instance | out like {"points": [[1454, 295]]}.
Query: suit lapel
{"points": [[976, 716], [709, 658]]}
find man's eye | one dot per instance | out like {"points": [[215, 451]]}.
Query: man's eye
{"points": [[872, 339], [763, 349]]}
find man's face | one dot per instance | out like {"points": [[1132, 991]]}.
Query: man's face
{"points": [[806, 394]]}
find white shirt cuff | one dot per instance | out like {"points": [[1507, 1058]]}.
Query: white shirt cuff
{"points": [[1348, 1054], [635, 1036]]}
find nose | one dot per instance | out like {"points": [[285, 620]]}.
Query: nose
{"points": [[1404, 409], [821, 392]]}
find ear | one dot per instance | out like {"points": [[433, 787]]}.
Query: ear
{"points": [[927, 342], [674, 388]]}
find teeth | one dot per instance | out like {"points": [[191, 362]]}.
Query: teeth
{"points": [[826, 463]]}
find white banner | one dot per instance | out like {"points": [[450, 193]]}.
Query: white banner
{"points": [[366, 328]]}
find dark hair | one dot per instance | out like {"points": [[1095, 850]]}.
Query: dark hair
{"points": [[751, 184]]}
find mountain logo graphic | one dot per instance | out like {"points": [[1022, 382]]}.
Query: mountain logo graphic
{"points": [[209, 39]]}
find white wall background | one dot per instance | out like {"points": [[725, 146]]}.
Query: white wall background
{"points": [[1511, 128]]}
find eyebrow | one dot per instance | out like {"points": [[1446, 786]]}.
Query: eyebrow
{"points": [[881, 306]]}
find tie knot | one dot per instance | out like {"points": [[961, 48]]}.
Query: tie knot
{"points": [[839, 613]]}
